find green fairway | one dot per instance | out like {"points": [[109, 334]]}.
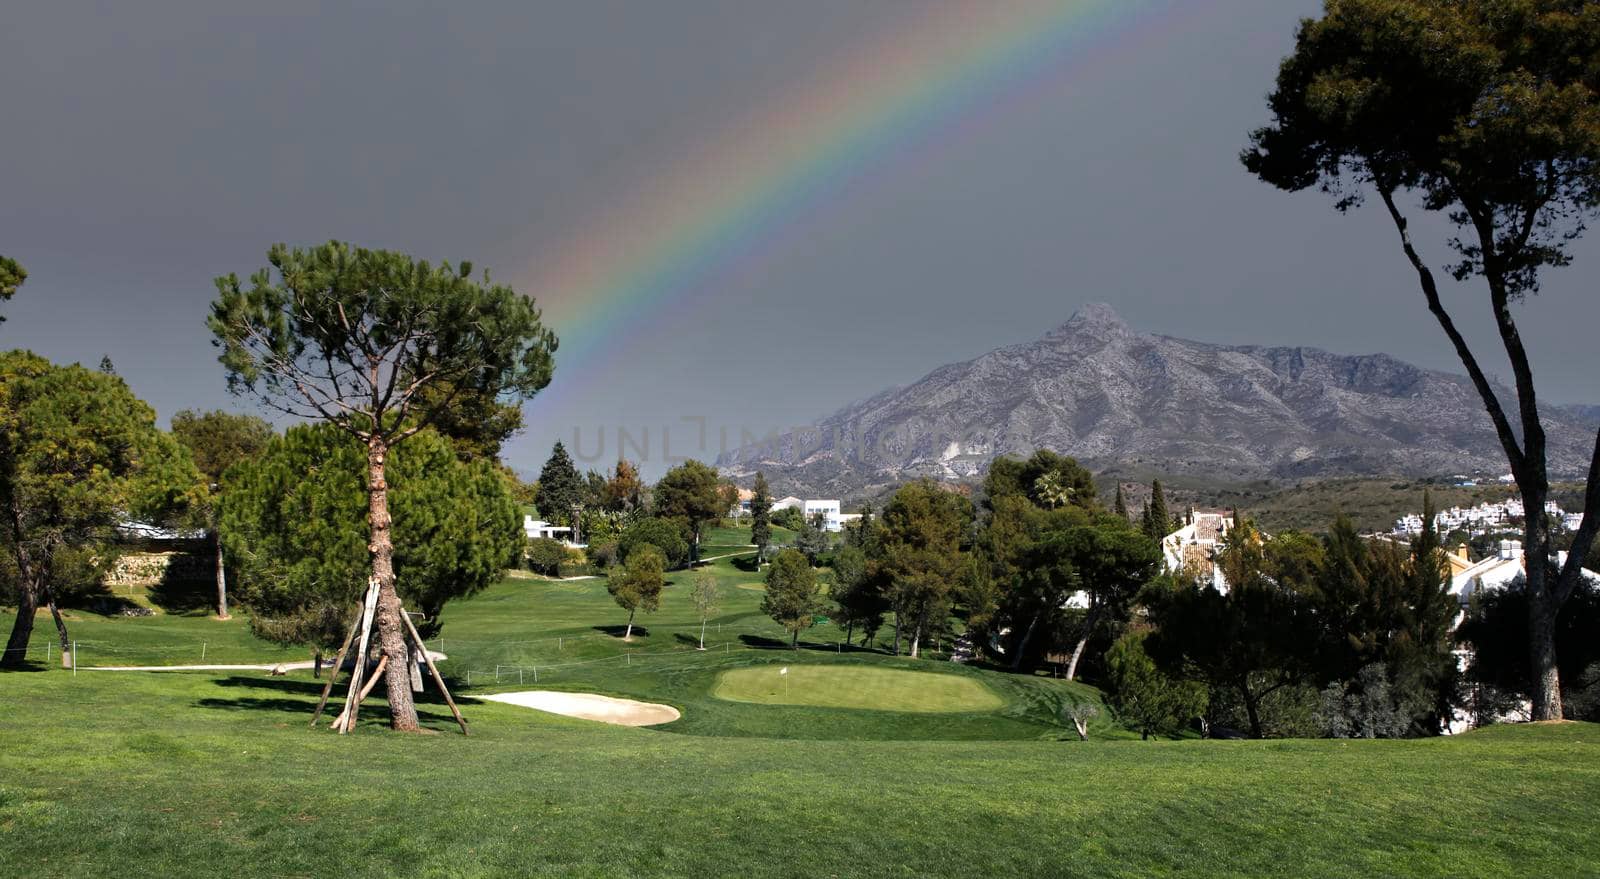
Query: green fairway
{"points": [[855, 686], [216, 774], [876, 765]]}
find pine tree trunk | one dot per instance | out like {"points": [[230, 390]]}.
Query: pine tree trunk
{"points": [[896, 633], [22, 628], [61, 624], [1251, 709], [222, 582], [1546, 683], [391, 631], [1088, 627], [849, 631], [1027, 637], [916, 639], [1545, 686], [16, 653]]}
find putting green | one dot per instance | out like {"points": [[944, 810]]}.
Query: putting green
{"points": [[849, 686]]}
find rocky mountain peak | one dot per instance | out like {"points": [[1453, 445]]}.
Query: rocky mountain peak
{"points": [[1094, 320], [1098, 390]]}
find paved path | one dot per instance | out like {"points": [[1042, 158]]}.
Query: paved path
{"points": [[298, 665], [712, 558]]}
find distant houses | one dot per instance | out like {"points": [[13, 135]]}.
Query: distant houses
{"points": [[1481, 519]]}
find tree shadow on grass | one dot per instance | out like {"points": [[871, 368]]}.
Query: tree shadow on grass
{"points": [[309, 691], [746, 563], [761, 642], [178, 592], [639, 629]]}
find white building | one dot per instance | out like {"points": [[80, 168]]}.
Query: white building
{"points": [[1194, 546], [828, 510], [539, 528]]}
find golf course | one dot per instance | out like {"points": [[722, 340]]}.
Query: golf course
{"points": [[901, 767]]}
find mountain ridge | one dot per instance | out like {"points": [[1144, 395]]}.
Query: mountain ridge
{"points": [[1098, 390]]}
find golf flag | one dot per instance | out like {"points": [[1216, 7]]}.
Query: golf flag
{"points": [[784, 670]]}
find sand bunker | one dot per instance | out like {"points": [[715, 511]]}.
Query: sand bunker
{"points": [[590, 706]]}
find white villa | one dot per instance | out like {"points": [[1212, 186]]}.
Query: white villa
{"points": [[1506, 569], [832, 519], [537, 528], [1193, 546]]}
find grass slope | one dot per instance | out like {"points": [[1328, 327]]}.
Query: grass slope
{"points": [[199, 775]]}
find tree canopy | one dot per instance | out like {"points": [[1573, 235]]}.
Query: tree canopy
{"points": [[666, 535], [292, 522], [689, 492], [560, 486], [218, 440], [1487, 112], [792, 598], [79, 455], [12, 274], [922, 557], [638, 585]]}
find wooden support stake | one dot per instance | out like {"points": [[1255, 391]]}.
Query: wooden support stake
{"points": [[351, 703], [377, 675], [434, 671], [338, 665]]}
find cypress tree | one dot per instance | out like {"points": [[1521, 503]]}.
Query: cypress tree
{"points": [[1160, 520], [560, 486], [760, 515], [1121, 506]]}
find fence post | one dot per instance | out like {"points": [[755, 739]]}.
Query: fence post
{"points": [[74, 658], [536, 674], [469, 677], [47, 651], [202, 651], [558, 645], [630, 659], [497, 674], [519, 677]]}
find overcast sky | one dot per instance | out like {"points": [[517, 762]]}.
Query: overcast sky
{"points": [[150, 147]]}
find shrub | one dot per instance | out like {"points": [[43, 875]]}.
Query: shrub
{"points": [[666, 535], [546, 556]]}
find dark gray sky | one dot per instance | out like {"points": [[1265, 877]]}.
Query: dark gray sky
{"points": [[150, 147]]}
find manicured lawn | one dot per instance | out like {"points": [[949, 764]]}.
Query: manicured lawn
{"points": [[216, 775], [856, 686]]}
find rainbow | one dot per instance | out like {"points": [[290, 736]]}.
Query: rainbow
{"points": [[756, 184]]}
